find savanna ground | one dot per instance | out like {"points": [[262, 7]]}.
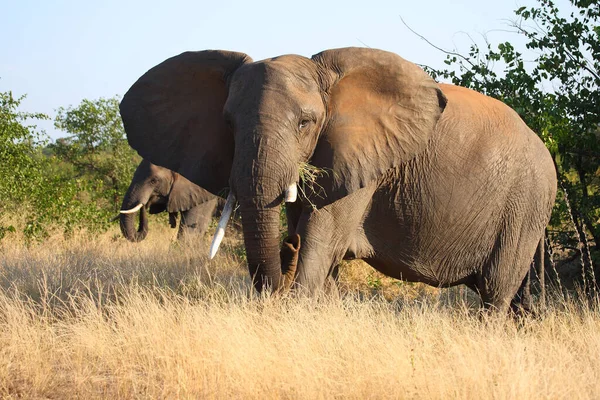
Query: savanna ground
{"points": [[94, 316]]}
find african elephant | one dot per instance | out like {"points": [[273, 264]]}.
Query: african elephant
{"points": [[156, 189], [426, 182]]}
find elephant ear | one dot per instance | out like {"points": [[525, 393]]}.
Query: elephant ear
{"points": [[185, 194], [382, 111], [173, 116]]}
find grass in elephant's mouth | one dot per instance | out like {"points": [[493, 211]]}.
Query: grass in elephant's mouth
{"points": [[111, 319], [309, 174]]}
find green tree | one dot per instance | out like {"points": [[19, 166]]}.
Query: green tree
{"points": [[96, 147], [19, 164], [73, 183]]}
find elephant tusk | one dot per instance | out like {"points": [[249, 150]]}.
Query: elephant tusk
{"points": [[291, 193], [134, 209], [220, 233]]}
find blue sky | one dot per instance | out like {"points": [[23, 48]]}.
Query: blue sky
{"points": [[60, 52]]}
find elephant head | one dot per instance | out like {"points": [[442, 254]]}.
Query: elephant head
{"points": [[222, 120], [156, 189]]}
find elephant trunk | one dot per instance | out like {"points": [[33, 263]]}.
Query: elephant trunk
{"points": [[261, 238], [290, 250], [128, 228], [263, 171], [131, 203]]}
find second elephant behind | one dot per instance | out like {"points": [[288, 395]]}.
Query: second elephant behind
{"points": [[155, 189]]}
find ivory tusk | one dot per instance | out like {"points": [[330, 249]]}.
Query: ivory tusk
{"points": [[291, 193], [134, 209], [220, 233]]}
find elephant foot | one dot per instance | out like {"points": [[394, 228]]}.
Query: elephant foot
{"points": [[290, 249]]}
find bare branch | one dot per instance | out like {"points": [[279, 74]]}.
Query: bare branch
{"points": [[583, 65], [433, 45], [423, 66], [363, 43]]}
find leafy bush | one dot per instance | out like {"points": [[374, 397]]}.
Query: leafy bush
{"points": [[76, 182]]}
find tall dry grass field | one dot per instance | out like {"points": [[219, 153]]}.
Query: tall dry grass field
{"points": [[97, 317]]}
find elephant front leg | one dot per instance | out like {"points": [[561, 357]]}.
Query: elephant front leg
{"points": [[326, 234], [196, 220]]}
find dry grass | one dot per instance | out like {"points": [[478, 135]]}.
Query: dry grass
{"points": [[102, 318]]}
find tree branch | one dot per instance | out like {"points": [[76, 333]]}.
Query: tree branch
{"points": [[433, 45]]}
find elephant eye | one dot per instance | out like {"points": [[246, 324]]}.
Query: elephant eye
{"points": [[304, 124], [153, 181]]}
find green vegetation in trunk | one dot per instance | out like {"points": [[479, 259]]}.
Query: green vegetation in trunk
{"points": [[309, 174]]}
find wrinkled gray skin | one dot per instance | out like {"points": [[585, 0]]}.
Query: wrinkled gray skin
{"points": [[426, 182], [160, 189]]}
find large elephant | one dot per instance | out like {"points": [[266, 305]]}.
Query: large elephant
{"points": [[156, 189], [426, 182]]}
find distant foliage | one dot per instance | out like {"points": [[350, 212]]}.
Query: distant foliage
{"points": [[20, 167], [97, 147], [76, 182]]}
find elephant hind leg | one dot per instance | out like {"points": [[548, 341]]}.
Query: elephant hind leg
{"points": [[498, 293], [522, 302], [506, 272]]}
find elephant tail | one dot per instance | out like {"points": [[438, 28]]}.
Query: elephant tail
{"points": [[540, 269]]}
